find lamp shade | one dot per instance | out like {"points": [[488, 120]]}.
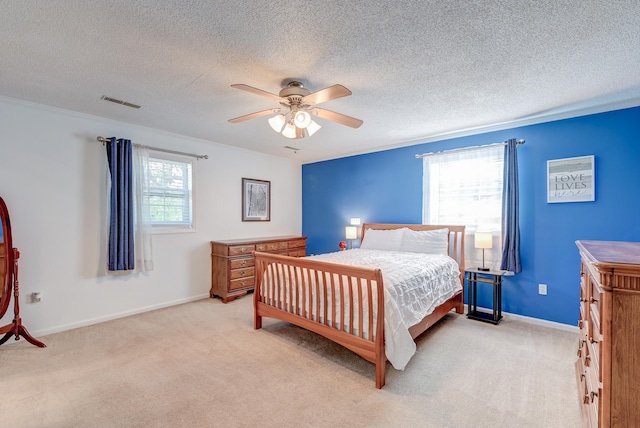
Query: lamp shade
{"points": [[277, 122], [289, 131], [312, 128], [483, 240], [302, 119], [351, 232]]}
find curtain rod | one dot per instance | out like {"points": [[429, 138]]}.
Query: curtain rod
{"points": [[462, 149], [106, 140]]}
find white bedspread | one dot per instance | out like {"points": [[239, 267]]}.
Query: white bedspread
{"points": [[415, 284]]}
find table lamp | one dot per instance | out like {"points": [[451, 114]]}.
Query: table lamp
{"points": [[351, 233], [483, 240]]}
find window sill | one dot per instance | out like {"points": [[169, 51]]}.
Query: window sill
{"points": [[170, 230]]}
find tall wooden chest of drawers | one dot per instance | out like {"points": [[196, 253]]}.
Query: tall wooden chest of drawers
{"points": [[608, 365], [232, 264]]}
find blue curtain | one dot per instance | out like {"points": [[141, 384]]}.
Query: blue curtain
{"points": [[121, 228], [510, 217]]}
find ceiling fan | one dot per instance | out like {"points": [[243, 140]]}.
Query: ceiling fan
{"points": [[294, 118]]}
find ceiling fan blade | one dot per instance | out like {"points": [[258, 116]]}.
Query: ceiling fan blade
{"points": [[254, 115], [257, 91], [340, 118], [326, 94]]}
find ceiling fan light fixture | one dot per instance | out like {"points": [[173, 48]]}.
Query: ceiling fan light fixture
{"points": [[302, 119], [277, 122], [293, 118], [312, 128], [289, 131]]}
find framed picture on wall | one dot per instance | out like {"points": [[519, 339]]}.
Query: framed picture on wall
{"points": [[571, 180], [256, 200]]}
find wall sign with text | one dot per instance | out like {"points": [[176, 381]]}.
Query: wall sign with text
{"points": [[571, 179]]}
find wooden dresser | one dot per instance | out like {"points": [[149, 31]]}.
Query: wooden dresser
{"points": [[608, 366], [232, 265]]}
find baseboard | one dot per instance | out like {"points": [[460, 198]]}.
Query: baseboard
{"points": [[84, 323], [536, 321]]}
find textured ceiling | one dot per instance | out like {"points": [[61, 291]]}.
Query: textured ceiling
{"points": [[419, 70]]}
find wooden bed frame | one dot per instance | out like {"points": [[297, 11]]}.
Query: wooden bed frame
{"points": [[360, 333]]}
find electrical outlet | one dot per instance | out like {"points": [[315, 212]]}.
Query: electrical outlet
{"points": [[542, 289], [36, 296]]}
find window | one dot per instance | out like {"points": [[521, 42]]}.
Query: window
{"points": [[465, 187], [170, 192]]}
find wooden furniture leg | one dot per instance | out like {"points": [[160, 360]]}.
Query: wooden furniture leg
{"points": [[19, 330], [16, 328]]}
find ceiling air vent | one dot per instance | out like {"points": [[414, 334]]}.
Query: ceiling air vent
{"points": [[124, 103], [295, 149]]}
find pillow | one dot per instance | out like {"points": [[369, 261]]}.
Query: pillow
{"points": [[426, 241], [379, 239]]}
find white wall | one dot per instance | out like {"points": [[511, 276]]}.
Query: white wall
{"points": [[52, 178]]}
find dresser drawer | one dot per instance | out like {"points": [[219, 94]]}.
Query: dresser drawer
{"points": [[241, 263], [584, 311], [242, 273], [297, 253], [596, 340], [238, 250], [242, 283], [296, 243], [595, 315], [583, 390], [584, 296], [594, 364], [267, 247], [595, 294], [582, 348], [590, 398], [586, 352]]}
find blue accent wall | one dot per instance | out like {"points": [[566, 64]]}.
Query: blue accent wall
{"points": [[386, 187]]}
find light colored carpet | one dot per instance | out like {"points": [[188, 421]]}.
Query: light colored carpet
{"points": [[203, 365]]}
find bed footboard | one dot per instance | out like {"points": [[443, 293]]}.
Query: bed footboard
{"points": [[343, 303]]}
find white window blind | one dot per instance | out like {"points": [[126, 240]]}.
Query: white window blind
{"points": [[465, 188], [170, 191]]}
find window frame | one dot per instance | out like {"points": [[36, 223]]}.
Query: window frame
{"points": [[472, 255], [165, 228]]}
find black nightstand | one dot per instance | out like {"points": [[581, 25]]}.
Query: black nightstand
{"points": [[494, 277]]}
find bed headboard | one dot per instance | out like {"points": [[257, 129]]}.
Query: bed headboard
{"points": [[456, 237]]}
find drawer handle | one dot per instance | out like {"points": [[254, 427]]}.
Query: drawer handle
{"points": [[593, 341], [243, 263], [585, 399], [593, 300], [242, 272], [582, 377], [593, 395], [583, 300], [580, 324], [579, 352]]}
